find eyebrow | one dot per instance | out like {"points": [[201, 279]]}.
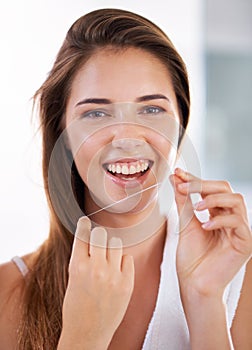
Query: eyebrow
{"points": [[152, 97], [145, 98]]}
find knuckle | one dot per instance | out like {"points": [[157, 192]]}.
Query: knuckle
{"points": [[239, 198], [226, 185], [113, 283], [75, 270], [98, 275], [208, 200]]}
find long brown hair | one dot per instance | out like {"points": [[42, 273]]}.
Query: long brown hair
{"points": [[46, 283]]}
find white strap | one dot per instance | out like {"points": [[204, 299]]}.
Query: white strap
{"points": [[21, 265]]}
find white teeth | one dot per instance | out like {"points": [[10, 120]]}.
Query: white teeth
{"points": [[128, 168], [125, 170], [113, 168], [132, 169], [138, 169], [118, 169]]}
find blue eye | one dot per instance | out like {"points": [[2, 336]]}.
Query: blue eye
{"points": [[152, 110], [95, 114]]}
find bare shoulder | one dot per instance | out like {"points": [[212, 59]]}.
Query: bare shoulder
{"points": [[242, 324], [11, 283]]}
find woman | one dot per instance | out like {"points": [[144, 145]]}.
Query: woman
{"points": [[113, 112]]}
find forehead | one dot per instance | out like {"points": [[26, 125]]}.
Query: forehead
{"points": [[121, 75]]}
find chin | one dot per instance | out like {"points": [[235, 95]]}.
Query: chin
{"points": [[126, 201]]}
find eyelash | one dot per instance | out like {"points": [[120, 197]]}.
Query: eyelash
{"points": [[92, 114], [158, 110]]}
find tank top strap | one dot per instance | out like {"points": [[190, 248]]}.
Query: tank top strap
{"points": [[21, 265]]}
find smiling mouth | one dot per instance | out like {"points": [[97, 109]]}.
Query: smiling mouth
{"points": [[128, 170]]}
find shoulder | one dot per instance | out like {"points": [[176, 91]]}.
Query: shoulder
{"points": [[242, 324], [11, 284], [10, 281]]}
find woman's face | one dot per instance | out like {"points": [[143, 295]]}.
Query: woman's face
{"points": [[122, 122]]}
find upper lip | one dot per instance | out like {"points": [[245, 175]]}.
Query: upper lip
{"points": [[127, 160]]}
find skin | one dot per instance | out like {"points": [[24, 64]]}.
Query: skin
{"points": [[113, 69], [118, 276], [107, 76], [225, 240]]}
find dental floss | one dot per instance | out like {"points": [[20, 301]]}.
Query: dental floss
{"points": [[124, 199]]}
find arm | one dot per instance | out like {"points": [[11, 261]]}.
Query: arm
{"points": [[10, 299], [209, 255], [101, 281], [206, 319], [242, 324]]}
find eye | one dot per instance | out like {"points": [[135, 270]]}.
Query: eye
{"points": [[95, 114], [151, 110]]}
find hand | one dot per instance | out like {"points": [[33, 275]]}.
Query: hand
{"points": [[99, 289], [210, 254]]}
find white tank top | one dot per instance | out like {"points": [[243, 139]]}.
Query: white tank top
{"points": [[21, 265], [168, 326]]}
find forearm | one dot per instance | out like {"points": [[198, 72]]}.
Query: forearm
{"points": [[207, 322]]}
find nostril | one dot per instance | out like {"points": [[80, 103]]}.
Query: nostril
{"points": [[127, 143]]}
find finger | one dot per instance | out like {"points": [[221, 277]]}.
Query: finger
{"points": [[205, 187], [185, 175], [198, 185], [184, 204], [128, 268], [81, 239], [236, 229], [98, 243], [234, 201], [114, 253], [233, 221]]}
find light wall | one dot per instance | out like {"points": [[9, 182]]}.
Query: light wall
{"points": [[31, 33], [229, 93]]}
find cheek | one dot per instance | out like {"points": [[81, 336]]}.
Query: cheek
{"points": [[165, 147], [87, 159]]}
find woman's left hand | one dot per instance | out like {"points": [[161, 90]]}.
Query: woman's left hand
{"points": [[210, 254]]}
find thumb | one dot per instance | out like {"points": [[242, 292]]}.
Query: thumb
{"points": [[187, 218]]}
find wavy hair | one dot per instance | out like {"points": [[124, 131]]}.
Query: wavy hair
{"points": [[46, 282]]}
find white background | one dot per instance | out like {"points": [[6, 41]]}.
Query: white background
{"points": [[31, 33]]}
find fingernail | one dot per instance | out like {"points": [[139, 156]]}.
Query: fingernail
{"points": [[207, 224], [83, 228], [179, 170], [199, 205], [115, 242], [84, 219], [183, 185]]}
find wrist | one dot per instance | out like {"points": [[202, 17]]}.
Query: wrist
{"points": [[200, 291], [198, 303], [206, 315]]}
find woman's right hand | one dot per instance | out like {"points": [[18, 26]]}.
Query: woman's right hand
{"points": [[100, 285]]}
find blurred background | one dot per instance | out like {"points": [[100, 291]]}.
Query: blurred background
{"points": [[213, 36]]}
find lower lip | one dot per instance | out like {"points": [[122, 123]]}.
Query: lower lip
{"points": [[129, 183]]}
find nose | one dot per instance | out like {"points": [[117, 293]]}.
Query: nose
{"points": [[128, 137]]}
